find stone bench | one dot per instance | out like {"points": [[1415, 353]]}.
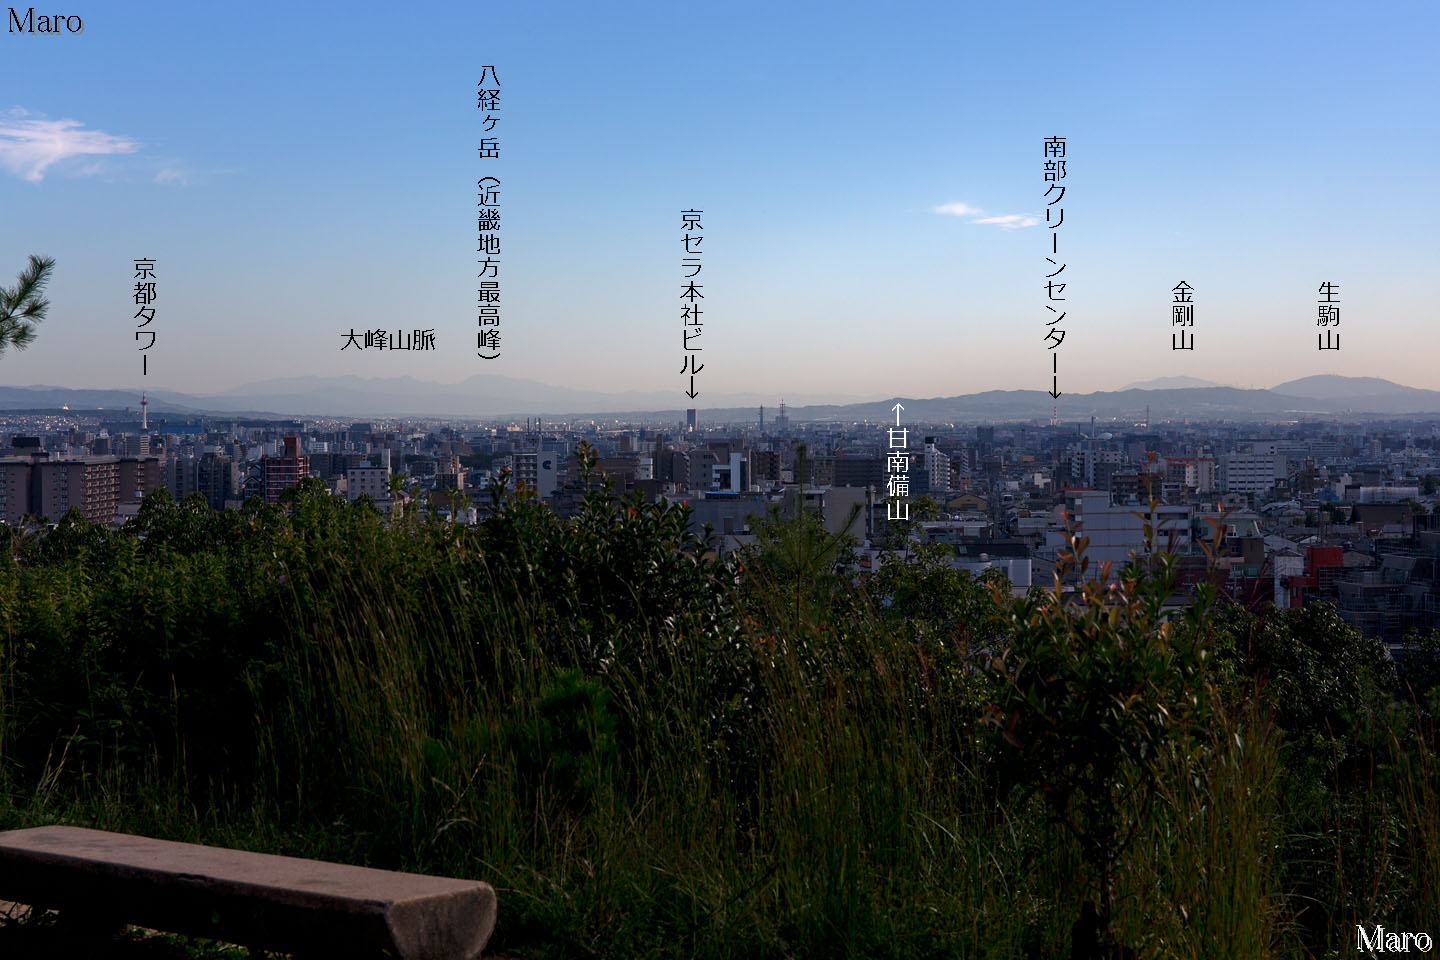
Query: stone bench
{"points": [[286, 904]]}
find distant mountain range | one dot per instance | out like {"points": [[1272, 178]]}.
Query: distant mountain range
{"points": [[493, 396], [1326, 394], [352, 396], [1171, 383]]}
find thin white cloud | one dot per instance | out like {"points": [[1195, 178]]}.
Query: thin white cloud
{"points": [[177, 172], [1011, 221], [29, 145]]}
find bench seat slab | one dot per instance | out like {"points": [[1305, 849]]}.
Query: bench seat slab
{"points": [[256, 899]]}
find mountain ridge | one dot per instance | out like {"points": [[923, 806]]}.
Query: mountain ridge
{"points": [[485, 396]]}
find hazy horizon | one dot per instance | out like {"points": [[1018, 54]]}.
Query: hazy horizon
{"points": [[794, 399]]}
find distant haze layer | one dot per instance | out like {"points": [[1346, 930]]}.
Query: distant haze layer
{"points": [[484, 397]]}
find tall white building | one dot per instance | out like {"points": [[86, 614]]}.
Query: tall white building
{"points": [[732, 474], [1197, 473], [1092, 468], [1117, 530], [1254, 471], [539, 471], [937, 466]]}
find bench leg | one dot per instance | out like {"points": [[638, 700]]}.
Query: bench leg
{"points": [[88, 933]]}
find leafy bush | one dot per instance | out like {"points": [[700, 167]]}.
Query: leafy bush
{"points": [[1098, 693]]}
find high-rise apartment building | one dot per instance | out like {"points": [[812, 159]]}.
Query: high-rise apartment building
{"points": [[367, 481], [765, 466], [137, 476], [90, 483], [182, 476], [937, 466], [1197, 473], [1092, 468], [449, 473], [218, 479], [14, 488], [285, 471]]}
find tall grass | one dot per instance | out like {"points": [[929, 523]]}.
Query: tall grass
{"points": [[1418, 799], [1205, 884], [837, 820], [648, 754]]}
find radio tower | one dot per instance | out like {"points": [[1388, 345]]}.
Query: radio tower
{"points": [[144, 421]]}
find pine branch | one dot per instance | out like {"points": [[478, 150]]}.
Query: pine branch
{"points": [[22, 306]]}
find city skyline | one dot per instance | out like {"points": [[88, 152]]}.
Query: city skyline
{"points": [[869, 188]]}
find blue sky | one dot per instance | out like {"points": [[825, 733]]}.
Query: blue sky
{"points": [[297, 174]]}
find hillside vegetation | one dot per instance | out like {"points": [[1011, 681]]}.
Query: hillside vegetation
{"points": [[650, 753]]}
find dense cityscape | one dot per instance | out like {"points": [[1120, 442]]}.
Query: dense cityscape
{"points": [[1307, 511]]}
